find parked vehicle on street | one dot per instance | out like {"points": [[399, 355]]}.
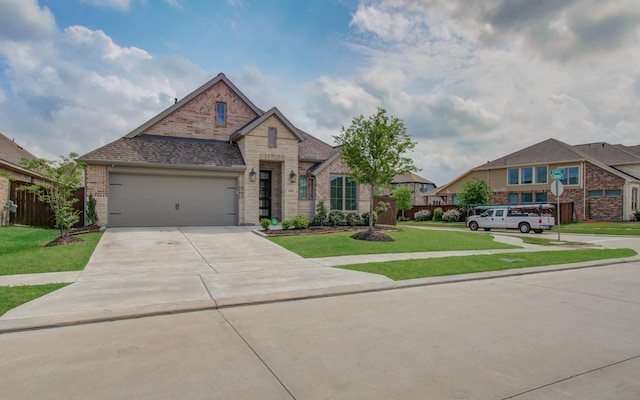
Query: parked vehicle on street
{"points": [[525, 218]]}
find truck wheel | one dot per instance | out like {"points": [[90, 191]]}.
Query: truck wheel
{"points": [[473, 225], [524, 227], [538, 230]]}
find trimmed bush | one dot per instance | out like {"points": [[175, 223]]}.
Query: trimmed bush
{"points": [[452, 215], [321, 214], [352, 219], [286, 224], [336, 217], [365, 218], [92, 216], [264, 223], [437, 214], [424, 215], [637, 215], [300, 222]]}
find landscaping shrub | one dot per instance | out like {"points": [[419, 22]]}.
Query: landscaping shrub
{"points": [[437, 214], [265, 222], [300, 222], [365, 218], [637, 215], [92, 216], [286, 224], [424, 215], [352, 219], [336, 217], [321, 214], [452, 215]]}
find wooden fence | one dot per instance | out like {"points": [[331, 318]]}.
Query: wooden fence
{"points": [[31, 211], [388, 217]]}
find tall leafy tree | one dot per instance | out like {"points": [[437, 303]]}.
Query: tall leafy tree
{"points": [[61, 178], [475, 191], [404, 198], [374, 149]]}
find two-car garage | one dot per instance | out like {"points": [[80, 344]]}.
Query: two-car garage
{"points": [[179, 199]]}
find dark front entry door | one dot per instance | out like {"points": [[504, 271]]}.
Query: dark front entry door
{"points": [[265, 194]]}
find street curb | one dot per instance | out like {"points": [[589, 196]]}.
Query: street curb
{"points": [[58, 321]]}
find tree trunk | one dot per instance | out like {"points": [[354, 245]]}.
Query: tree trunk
{"points": [[371, 210]]}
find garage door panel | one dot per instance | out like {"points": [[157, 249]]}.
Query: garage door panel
{"points": [[152, 200]]}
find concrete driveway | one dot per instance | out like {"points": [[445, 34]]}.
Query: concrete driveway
{"points": [[142, 271]]}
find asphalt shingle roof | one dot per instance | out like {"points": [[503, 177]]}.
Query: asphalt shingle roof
{"points": [[11, 152], [168, 150]]}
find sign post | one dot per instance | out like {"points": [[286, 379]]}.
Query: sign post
{"points": [[557, 188]]}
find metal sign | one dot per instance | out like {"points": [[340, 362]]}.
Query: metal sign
{"points": [[557, 173], [557, 188]]}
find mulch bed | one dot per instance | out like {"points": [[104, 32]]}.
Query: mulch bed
{"points": [[63, 240], [361, 232]]}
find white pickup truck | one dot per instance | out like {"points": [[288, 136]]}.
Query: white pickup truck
{"points": [[511, 218]]}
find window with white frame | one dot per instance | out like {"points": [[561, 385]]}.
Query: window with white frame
{"points": [[527, 175], [571, 175], [221, 114], [634, 199]]}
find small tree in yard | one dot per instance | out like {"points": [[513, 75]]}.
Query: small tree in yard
{"points": [[61, 179], [373, 148], [476, 191], [404, 198]]}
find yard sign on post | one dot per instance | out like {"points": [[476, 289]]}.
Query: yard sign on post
{"points": [[557, 188]]}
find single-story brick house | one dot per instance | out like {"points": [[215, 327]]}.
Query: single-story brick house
{"points": [[600, 179], [215, 158]]}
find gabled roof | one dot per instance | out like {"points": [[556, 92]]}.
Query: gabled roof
{"points": [[610, 154], [257, 121], [410, 177], [313, 149], [548, 151], [151, 150], [219, 78], [13, 153]]}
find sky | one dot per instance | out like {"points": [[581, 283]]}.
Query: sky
{"points": [[473, 80]]}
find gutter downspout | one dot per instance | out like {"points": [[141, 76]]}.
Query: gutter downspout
{"points": [[584, 189]]}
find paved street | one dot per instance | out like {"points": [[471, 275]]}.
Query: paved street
{"points": [[560, 335]]}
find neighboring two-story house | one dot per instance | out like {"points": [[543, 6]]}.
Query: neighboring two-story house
{"points": [[600, 179], [419, 187], [215, 158]]}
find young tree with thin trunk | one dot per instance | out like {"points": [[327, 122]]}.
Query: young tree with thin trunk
{"points": [[374, 149], [404, 198], [61, 178]]}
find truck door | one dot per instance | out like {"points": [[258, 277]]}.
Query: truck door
{"points": [[500, 219]]}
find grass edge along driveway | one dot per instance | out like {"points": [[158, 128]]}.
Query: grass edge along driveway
{"points": [[407, 241]]}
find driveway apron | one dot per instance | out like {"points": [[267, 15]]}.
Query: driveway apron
{"points": [[142, 271]]}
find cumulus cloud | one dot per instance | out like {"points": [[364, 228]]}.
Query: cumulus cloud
{"points": [[25, 20], [485, 78], [77, 89]]}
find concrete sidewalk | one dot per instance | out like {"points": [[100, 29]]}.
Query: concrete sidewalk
{"points": [[147, 271]]}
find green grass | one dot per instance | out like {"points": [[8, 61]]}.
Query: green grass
{"points": [[13, 296], [549, 242], [412, 269], [407, 241], [23, 252], [602, 228], [437, 224]]}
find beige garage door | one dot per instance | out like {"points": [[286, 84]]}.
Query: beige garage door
{"points": [[152, 200]]}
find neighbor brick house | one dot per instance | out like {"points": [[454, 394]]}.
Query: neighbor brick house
{"points": [[11, 155], [215, 158], [600, 179], [419, 187]]}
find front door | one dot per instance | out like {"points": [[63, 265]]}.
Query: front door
{"points": [[265, 194]]}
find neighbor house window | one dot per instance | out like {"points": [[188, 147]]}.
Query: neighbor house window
{"points": [[273, 137], [303, 180], [526, 176], [634, 199], [541, 197], [221, 113], [594, 193], [527, 197], [514, 198], [571, 176], [541, 175], [344, 193], [512, 176], [613, 193], [454, 199]]}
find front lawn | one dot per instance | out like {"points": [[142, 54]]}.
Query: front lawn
{"points": [[423, 268], [602, 228], [437, 224], [13, 296], [23, 251], [407, 241]]}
